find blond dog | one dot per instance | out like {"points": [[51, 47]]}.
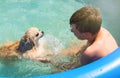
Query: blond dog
{"points": [[27, 47]]}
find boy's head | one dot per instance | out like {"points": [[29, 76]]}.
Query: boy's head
{"points": [[87, 19]]}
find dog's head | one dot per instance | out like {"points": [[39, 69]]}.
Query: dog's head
{"points": [[30, 39]]}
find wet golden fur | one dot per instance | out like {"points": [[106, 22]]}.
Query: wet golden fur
{"points": [[16, 49], [27, 47]]}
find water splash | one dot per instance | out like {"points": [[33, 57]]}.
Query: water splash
{"points": [[53, 44]]}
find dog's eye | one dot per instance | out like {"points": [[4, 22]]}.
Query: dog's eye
{"points": [[37, 34]]}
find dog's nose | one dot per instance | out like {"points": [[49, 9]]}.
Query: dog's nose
{"points": [[42, 32]]}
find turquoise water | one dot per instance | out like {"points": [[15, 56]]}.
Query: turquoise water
{"points": [[50, 16]]}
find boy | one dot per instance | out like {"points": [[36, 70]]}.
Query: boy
{"points": [[86, 24]]}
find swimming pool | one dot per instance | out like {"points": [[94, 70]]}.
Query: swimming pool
{"points": [[51, 16]]}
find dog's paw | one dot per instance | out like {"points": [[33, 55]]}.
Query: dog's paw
{"points": [[44, 60]]}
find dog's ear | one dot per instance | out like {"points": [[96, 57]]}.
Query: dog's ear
{"points": [[26, 43]]}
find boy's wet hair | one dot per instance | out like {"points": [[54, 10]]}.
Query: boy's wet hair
{"points": [[87, 19]]}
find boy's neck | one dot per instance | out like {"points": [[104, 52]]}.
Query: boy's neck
{"points": [[92, 39]]}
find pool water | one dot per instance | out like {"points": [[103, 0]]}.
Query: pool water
{"points": [[50, 16]]}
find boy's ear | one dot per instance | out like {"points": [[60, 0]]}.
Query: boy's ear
{"points": [[87, 34]]}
